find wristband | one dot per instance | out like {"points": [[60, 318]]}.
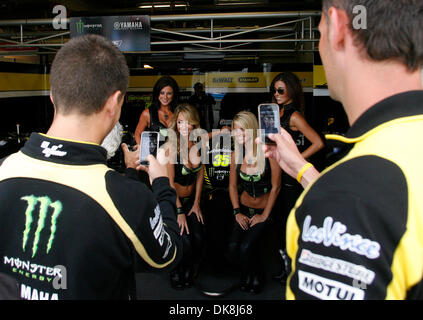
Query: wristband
{"points": [[179, 211], [307, 166], [236, 211]]}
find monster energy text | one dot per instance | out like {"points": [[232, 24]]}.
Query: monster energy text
{"points": [[45, 205]]}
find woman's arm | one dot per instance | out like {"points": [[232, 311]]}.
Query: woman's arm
{"points": [[143, 123], [241, 219], [298, 121], [276, 173], [233, 183], [198, 189]]}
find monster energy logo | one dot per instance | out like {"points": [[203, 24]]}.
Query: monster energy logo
{"points": [[79, 26], [45, 204]]}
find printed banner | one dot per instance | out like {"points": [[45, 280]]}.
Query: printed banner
{"points": [[128, 33]]}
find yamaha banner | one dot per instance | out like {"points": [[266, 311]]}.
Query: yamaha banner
{"points": [[128, 33]]}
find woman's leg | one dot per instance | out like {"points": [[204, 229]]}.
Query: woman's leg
{"points": [[196, 239], [251, 255]]}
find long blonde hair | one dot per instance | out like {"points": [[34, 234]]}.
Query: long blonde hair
{"points": [[191, 115], [248, 121]]}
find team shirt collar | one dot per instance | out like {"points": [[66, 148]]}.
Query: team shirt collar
{"points": [[43, 147]]}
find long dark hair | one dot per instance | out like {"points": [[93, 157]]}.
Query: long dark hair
{"points": [[293, 87], [160, 84]]}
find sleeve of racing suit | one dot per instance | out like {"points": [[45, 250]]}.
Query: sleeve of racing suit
{"points": [[344, 236], [151, 217], [131, 173]]}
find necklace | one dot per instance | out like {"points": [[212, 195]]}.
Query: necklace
{"points": [[165, 114]]}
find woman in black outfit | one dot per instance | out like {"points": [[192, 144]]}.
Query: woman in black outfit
{"points": [[160, 114], [287, 92], [260, 180], [186, 177]]}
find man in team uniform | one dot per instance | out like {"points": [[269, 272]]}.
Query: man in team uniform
{"points": [[70, 227], [355, 233]]}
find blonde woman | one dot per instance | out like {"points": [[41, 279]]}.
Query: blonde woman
{"points": [[186, 177], [260, 180]]}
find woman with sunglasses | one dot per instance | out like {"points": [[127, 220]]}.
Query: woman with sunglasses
{"points": [[287, 92], [260, 181], [186, 177]]}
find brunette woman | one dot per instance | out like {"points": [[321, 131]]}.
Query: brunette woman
{"points": [[287, 92], [159, 115]]}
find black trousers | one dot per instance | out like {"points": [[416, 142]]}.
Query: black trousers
{"points": [[244, 245], [192, 243], [286, 201]]}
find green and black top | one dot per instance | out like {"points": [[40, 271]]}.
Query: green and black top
{"points": [[258, 184], [185, 176]]}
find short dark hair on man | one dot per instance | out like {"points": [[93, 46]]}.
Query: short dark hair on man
{"points": [[85, 72], [198, 85], [394, 29]]}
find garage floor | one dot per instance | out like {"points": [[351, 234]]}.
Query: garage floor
{"points": [[156, 285]]}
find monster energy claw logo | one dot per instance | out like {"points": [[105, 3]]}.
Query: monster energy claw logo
{"points": [[45, 204], [79, 26]]}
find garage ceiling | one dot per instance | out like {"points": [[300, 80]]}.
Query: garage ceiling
{"points": [[244, 32], [20, 9]]}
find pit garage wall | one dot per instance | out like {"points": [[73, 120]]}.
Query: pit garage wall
{"points": [[24, 93], [24, 98]]}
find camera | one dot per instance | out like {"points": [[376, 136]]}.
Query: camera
{"points": [[149, 145], [269, 121]]}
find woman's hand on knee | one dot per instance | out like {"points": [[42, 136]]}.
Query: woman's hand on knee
{"points": [[182, 223], [256, 219], [243, 221]]}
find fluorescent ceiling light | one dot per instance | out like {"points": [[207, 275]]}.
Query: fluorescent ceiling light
{"points": [[238, 2], [161, 5], [147, 66]]}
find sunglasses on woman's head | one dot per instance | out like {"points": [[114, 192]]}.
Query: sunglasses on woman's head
{"points": [[279, 90]]}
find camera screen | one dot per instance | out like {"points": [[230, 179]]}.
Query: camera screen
{"points": [[269, 119], [149, 144]]}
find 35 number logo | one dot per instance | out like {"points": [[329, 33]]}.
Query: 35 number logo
{"points": [[221, 160]]}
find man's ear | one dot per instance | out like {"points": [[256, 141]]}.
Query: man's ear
{"points": [[113, 103], [339, 28], [51, 98], [54, 106]]}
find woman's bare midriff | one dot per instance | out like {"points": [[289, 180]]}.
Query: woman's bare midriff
{"points": [[251, 202], [184, 191]]}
